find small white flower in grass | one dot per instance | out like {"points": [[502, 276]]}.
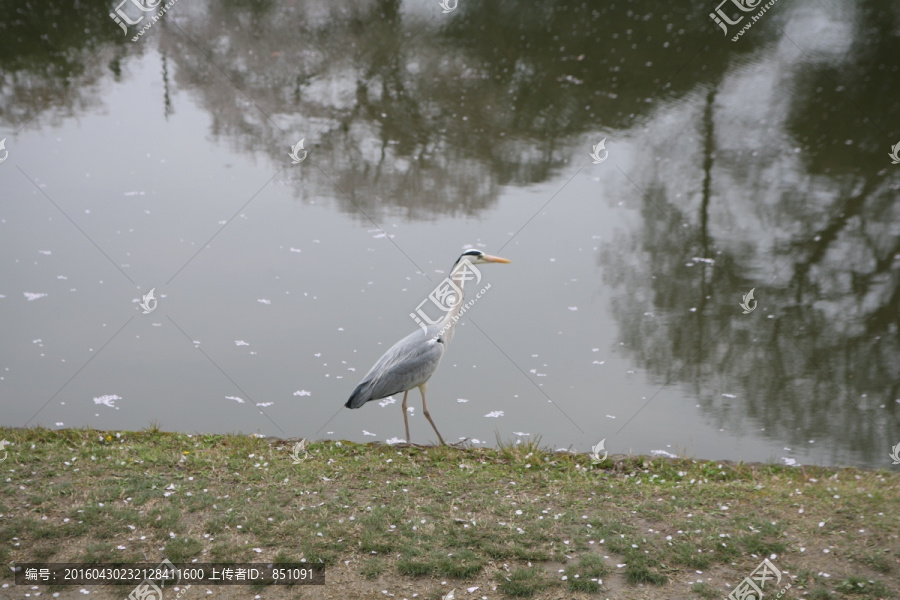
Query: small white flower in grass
{"points": [[257, 550]]}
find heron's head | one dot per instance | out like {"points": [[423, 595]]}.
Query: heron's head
{"points": [[477, 257]]}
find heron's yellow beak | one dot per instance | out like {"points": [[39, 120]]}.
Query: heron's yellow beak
{"points": [[497, 259]]}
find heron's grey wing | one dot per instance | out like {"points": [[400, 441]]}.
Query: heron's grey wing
{"points": [[408, 363]]}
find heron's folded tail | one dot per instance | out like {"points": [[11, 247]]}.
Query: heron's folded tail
{"points": [[359, 396]]}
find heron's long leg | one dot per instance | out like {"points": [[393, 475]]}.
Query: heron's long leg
{"points": [[428, 416], [405, 418]]}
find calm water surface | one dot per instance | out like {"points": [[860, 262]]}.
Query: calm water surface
{"points": [[164, 164]]}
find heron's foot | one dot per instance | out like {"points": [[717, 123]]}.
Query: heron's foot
{"points": [[411, 445]]}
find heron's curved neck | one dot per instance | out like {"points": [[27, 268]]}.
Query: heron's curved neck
{"points": [[458, 276]]}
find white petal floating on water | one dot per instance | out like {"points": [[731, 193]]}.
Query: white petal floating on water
{"points": [[33, 295], [461, 400], [302, 393], [240, 343], [494, 414], [791, 462], [264, 404], [599, 362], [395, 440], [44, 252], [264, 301], [61, 277], [235, 398], [663, 453], [729, 396], [520, 433], [59, 424], [573, 308], [610, 417], [368, 433], [108, 400], [386, 401]]}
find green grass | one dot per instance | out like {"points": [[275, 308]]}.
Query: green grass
{"points": [[510, 517], [523, 582]]}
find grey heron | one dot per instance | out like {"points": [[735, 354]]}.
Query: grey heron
{"points": [[413, 360]]}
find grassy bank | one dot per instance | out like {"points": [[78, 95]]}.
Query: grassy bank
{"points": [[417, 522]]}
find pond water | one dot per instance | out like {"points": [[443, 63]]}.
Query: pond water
{"points": [[726, 166]]}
